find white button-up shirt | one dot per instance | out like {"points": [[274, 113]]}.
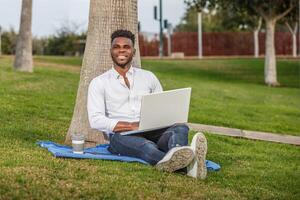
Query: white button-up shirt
{"points": [[110, 100]]}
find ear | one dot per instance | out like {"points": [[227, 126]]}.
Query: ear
{"points": [[134, 50]]}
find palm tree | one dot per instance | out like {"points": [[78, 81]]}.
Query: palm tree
{"points": [[105, 17], [23, 59]]}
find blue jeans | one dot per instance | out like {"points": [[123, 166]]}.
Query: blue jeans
{"points": [[151, 146]]}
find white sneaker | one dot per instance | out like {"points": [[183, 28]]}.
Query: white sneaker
{"points": [[176, 158], [197, 168]]}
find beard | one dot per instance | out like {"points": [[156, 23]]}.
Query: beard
{"points": [[122, 65]]}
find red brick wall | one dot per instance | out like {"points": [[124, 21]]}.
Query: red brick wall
{"points": [[218, 44]]}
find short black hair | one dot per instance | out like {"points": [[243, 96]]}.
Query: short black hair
{"points": [[123, 33]]}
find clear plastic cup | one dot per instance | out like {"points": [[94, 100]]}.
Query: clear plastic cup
{"points": [[78, 143]]}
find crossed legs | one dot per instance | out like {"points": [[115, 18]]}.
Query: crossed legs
{"points": [[153, 146]]}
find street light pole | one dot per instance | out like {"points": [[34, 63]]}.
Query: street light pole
{"points": [[161, 43]]}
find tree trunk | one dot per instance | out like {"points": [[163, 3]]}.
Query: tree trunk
{"points": [[256, 43], [23, 58], [200, 50], [294, 45], [256, 38], [270, 59], [105, 17], [294, 37]]}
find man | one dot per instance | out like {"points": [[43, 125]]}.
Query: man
{"points": [[114, 102]]}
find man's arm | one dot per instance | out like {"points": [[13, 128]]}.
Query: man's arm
{"points": [[96, 112], [155, 84], [96, 108]]}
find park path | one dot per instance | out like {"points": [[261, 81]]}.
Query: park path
{"points": [[234, 132]]}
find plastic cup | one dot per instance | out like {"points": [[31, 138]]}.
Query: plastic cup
{"points": [[78, 143]]}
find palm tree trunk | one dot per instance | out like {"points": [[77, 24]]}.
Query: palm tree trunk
{"points": [[270, 59], [23, 59], [105, 17]]}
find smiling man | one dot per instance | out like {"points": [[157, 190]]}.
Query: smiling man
{"points": [[114, 102]]}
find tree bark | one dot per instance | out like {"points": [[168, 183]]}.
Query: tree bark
{"points": [[270, 60], [256, 38], [23, 59], [294, 37], [256, 43], [105, 17], [294, 45], [200, 50]]}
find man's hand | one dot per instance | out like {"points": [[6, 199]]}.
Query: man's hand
{"points": [[126, 126], [135, 125]]}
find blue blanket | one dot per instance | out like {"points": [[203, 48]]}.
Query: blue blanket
{"points": [[100, 152]]}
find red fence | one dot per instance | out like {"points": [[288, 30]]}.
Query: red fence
{"points": [[218, 44]]}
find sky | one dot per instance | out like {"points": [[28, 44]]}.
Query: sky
{"points": [[50, 15]]}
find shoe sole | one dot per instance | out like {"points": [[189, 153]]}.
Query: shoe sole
{"points": [[200, 156], [178, 160]]}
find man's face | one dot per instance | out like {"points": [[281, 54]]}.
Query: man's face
{"points": [[122, 51]]}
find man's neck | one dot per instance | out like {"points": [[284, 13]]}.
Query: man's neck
{"points": [[122, 71]]}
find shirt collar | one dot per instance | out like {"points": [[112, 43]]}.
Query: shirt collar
{"points": [[117, 75]]}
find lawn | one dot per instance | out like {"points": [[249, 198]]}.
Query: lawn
{"points": [[39, 106], [230, 92]]}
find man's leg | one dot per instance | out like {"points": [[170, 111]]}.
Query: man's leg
{"points": [[176, 135], [176, 158], [136, 147]]}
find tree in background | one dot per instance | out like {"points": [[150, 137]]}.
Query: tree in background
{"points": [[105, 17], [8, 41], [66, 41], [23, 59], [291, 22], [62, 43], [271, 12], [214, 20], [39, 45], [237, 17], [224, 18]]}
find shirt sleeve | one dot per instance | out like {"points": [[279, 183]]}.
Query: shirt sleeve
{"points": [[96, 108], [156, 86]]}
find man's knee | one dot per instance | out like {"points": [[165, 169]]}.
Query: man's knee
{"points": [[180, 128], [114, 137]]}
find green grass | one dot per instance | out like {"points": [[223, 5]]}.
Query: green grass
{"points": [[39, 106], [232, 93], [65, 60]]}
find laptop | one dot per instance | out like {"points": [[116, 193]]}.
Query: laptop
{"points": [[162, 110]]}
